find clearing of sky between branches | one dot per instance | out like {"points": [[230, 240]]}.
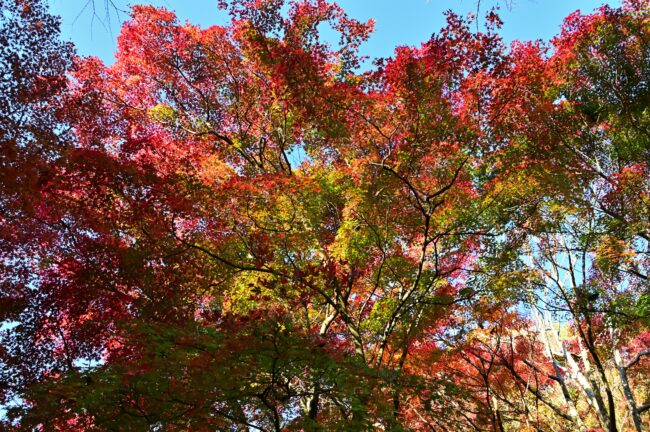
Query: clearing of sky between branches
{"points": [[252, 228]]}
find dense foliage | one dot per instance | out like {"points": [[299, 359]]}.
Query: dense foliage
{"points": [[248, 228]]}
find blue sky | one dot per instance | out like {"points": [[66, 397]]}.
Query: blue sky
{"points": [[398, 22]]}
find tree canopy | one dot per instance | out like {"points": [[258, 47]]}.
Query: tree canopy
{"points": [[252, 227]]}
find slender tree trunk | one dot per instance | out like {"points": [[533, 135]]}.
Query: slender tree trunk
{"points": [[625, 384], [559, 375]]}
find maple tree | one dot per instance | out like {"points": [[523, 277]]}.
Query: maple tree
{"points": [[247, 228]]}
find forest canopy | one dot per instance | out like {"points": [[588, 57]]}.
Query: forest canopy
{"points": [[253, 227]]}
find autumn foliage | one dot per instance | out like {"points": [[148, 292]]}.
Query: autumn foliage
{"points": [[252, 227]]}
